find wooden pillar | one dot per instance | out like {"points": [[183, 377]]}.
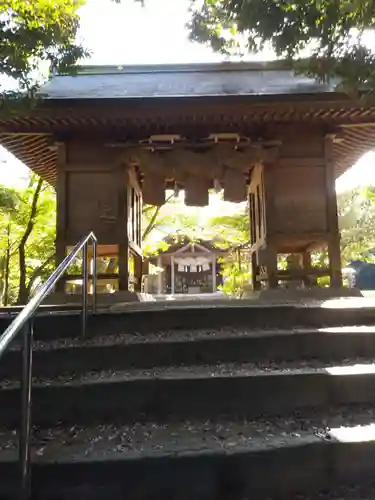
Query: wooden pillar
{"points": [[334, 252], [254, 271], [214, 288], [122, 228], [61, 210], [172, 275], [271, 251], [160, 275]]}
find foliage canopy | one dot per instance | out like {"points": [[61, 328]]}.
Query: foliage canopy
{"points": [[35, 31], [331, 32]]}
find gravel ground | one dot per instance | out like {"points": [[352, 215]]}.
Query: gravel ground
{"points": [[352, 365], [148, 438], [187, 335]]}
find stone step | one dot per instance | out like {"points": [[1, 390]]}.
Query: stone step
{"points": [[364, 491], [193, 347], [147, 320], [192, 391], [201, 459]]}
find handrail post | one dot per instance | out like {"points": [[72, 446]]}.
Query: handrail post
{"points": [[25, 427], [94, 273], [84, 290]]}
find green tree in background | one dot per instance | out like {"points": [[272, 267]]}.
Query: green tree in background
{"points": [[170, 219], [27, 236], [8, 204], [233, 231], [41, 30], [356, 210], [33, 32], [330, 32]]}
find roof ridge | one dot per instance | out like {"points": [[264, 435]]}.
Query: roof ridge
{"points": [[276, 65]]}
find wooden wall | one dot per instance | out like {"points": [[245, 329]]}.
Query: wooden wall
{"points": [[92, 205], [299, 199], [89, 187], [299, 186], [97, 192]]}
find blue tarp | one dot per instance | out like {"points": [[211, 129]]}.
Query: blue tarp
{"points": [[364, 274]]}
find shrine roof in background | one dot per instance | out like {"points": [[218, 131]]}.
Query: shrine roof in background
{"points": [[186, 243]]}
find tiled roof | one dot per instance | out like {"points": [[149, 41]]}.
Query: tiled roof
{"points": [[182, 80]]}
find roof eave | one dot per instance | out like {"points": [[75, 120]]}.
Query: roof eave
{"points": [[256, 98]]}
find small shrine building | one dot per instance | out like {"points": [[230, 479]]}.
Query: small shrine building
{"points": [[187, 267]]}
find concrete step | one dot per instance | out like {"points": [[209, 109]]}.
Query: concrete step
{"points": [[192, 391], [201, 459], [196, 317], [193, 347]]}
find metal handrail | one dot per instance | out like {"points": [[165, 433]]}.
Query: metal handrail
{"points": [[24, 322]]}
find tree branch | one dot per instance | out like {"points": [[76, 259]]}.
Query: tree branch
{"points": [[151, 224]]}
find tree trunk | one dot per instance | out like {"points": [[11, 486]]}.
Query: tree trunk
{"points": [[23, 294], [2, 278], [151, 224]]}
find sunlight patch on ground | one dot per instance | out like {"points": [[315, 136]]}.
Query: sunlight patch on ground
{"points": [[351, 369], [357, 434], [348, 302], [348, 329]]}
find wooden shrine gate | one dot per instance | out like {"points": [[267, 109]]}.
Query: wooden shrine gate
{"points": [[110, 139]]}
